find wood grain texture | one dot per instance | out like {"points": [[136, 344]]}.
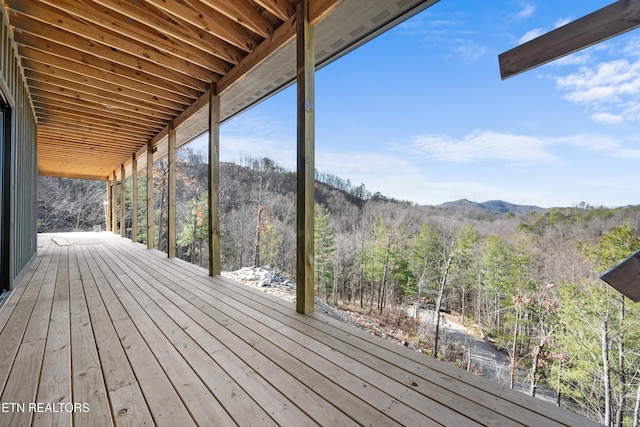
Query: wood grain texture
{"points": [[55, 383], [171, 191], [134, 198], [86, 369], [123, 190], [305, 177], [124, 69], [215, 257], [148, 340], [151, 240], [610, 21]]}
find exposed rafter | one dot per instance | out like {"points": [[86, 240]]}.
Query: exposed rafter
{"points": [[610, 21], [110, 75]]}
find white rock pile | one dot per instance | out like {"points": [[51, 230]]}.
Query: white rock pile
{"points": [[268, 279], [274, 281]]}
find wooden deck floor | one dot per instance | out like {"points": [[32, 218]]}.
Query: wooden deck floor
{"points": [[103, 332]]}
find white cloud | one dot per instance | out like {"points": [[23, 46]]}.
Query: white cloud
{"points": [[561, 22], [607, 118], [632, 47], [516, 149], [608, 80], [468, 50], [610, 89], [388, 174], [573, 59], [235, 148], [526, 11], [486, 145], [530, 35], [362, 163], [537, 32], [407, 179]]}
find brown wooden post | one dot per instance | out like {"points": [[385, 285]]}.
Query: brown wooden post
{"points": [[134, 198], [107, 208], [150, 230], [123, 189], [601, 25], [114, 204], [306, 162], [171, 214], [214, 183]]}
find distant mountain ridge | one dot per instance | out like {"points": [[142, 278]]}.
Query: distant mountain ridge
{"points": [[494, 206]]}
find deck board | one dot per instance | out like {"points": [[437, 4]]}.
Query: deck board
{"points": [[128, 405], [146, 340], [55, 385], [86, 367]]}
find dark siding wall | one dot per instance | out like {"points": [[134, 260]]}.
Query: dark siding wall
{"points": [[23, 163]]}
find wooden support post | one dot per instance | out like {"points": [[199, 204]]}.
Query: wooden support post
{"points": [[214, 183], [306, 162], [150, 230], [107, 206], [171, 216], [123, 189], [114, 204], [134, 198]]}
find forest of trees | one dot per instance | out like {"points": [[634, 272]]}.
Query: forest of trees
{"points": [[530, 281]]}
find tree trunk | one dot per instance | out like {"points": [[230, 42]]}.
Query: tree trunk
{"points": [[256, 259], [463, 305], [621, 369], [78, 220], [512, 362], [443, 285], [371, 285], [416, 310], [361, 278], [383, 285], [604, 335], [420, 283], [559, 389], [636, 409], [336, 273], [194, 236], [535, 356]]}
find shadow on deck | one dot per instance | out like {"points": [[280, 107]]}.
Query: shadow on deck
{"points": [[102, 331]]}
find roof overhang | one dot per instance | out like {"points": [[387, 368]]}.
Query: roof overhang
{"points": [[350, 24], [625, 277], [81, 58]]}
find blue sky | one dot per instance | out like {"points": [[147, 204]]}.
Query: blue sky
{"points": [[420, 113]]}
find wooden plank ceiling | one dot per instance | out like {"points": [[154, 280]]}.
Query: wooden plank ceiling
{"points": [[106, 76]]}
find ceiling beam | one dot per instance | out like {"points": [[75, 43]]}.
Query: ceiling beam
{"points": [[171, 28], [63, 115], [280, 8], [242, 13], [145, 36], [56, 43], [210, 21], [70, 175], [287, 31], [101, 140], [139, 102], [106, 103], [47, 110], [97, 78], [114, 41], [50, 100], [610, 21]]}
